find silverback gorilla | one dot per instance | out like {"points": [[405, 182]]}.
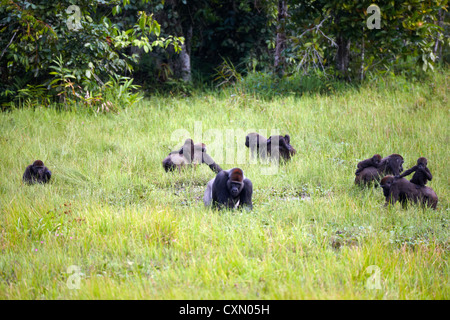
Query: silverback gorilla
{"points": [[189, 154], [229, 189], [400, 189], [36, 172], [392, 164]]}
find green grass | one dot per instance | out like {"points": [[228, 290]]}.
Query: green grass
{"points": [[137, 232]]}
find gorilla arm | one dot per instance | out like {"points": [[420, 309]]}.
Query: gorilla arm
{"points": [[27, 175], [246, 195], [207, 197], [206, 158], [427, 173], [408, 172]]}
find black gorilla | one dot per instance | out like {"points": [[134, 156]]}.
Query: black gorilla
{"points": [[422, 173], [400, 189], [371, 162], [229, 189], [36, 172]]}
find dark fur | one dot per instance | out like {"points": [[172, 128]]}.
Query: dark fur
{"points": [[189, 154], [36, 173], [275, 146], [258, 143], [229, 189], [280, 145], [371, 162], [422, 173], [400, 189], [392, 164]]}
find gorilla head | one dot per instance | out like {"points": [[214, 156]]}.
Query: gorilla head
{"points": [[235, 182]]}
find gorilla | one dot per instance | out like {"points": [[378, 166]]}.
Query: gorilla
{"points": [[36, 172], [189, 154], [279, 146], [400, 189], [371, 162], [422, 173], [276, 146], [391, 164], [229, 189]]}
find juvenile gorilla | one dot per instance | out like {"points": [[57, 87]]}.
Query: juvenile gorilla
{"points": [[422, 173], [229, 189], [392, 164], [276, 146], [371, 162], [400, 189], [36, 172], [189, 154]]}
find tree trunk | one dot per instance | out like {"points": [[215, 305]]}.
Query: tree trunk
{"points": [[362, 56], [343, 55], [185, 55], [180, 25], [281, 37], [437, 44]]}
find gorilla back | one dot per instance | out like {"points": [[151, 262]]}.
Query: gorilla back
{"points": [[189, 154], [404, 191], [276, 146]]}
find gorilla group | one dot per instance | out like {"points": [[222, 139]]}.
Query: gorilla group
{"points": [[230, 189], [373, 169], [395, 186], [400, 189]]}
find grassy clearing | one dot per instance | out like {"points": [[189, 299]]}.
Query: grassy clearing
{"points": [[137, 232]]}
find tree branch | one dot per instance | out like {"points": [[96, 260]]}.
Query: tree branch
{"points": [[4, 50]]}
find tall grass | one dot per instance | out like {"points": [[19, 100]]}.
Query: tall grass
{"points": [[137, 232]]}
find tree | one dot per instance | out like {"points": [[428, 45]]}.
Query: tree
{"points": [[90, 46], [281, 37], [407, 32]]}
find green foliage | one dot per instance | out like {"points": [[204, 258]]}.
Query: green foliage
{"points": [[121, 92], [408, 31], [33, 96], [264, 85], [227, 74], [113, 95], [142, 39], [87, 44], [236, 30]]}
